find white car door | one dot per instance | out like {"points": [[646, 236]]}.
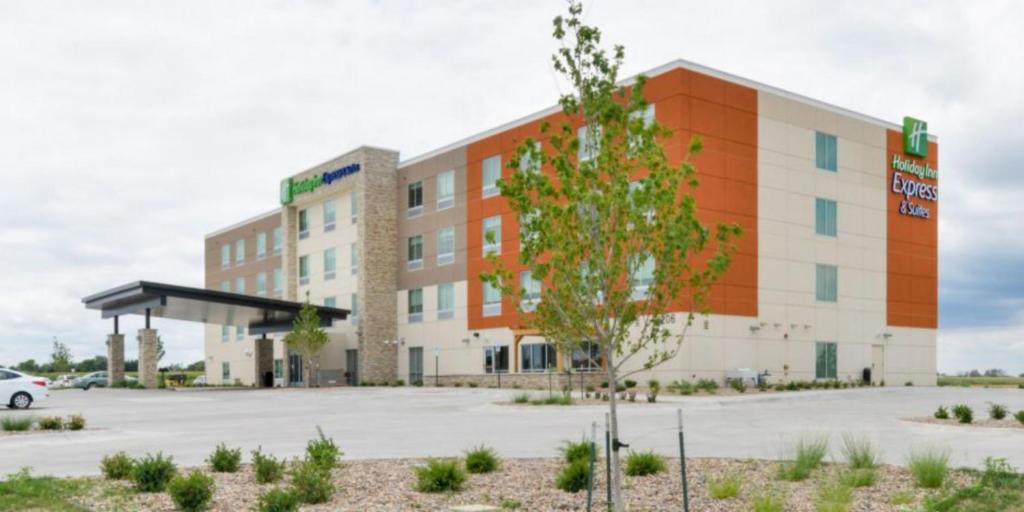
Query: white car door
{"points": [[7, 386]]}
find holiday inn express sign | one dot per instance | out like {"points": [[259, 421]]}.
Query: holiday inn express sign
{"points": [[909, 173], [291, 187]]}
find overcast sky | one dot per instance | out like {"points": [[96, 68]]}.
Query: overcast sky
{"points": [[130, 129]]}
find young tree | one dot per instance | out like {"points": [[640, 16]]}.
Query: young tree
{"points": [[160, 352], [61, 360], [610, 222], [308, 339]]}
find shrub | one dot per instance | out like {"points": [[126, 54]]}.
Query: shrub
{"points": [[996, 411], [807, 455], [779, 387], [738, 385], [51, 423], [834, 497], [117, 466], [323, 452], [312, 482], [908, 383], [707, 385], [75, 422], [724, 486], [629, 383], [191, 493], [1020, 416], [654, 385], [963, 413], [267, 468], [573, 476], [644, 463], [278, 500], [574, 451], [681, 387], [440, 476], [399, 383], [16, 423], [941, 413], [521, 398], [457, 384], [224, 459], [768, 502], [929, 467], [859, 452], [152, 472], [863, 477], [473, 384], [481, 460]]}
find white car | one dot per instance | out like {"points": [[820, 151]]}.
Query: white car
{"points": [[19, 391]]}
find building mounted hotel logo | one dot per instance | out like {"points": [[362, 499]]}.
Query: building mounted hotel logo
{"points": [[915, 137], [291, 188], [907, 172]]}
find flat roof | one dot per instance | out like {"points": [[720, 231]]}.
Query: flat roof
{"points": [[259, 314]]}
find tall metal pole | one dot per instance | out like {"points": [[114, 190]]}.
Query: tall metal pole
{"points": [[147, 318], [436, 377], [116, 325], [682, 463], [590, 473], [608, 457]]}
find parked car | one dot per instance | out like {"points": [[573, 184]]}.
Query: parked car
{"points": [[91, 380], [62, 381], [20, 391], [199, 381]]}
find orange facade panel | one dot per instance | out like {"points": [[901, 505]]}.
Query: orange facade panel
{"points": [[912, 241], [724, 114]]}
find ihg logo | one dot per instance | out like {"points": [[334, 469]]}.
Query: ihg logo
{"points": [[915, 137]]}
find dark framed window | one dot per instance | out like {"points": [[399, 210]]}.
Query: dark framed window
{"points": [[586, 358], [496, 359], [537, 357]]}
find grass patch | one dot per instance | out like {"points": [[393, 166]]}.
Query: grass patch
{"points": [[724, 486], [929, 467], [1020, 416], [864, 477], [22, 491], [996, 411], [17, 423], [644, 463], [521, 398], [859, 452], [946, 380], [833, 497], [999, 487], [768, 502], [573, 476], [942, 413], [118, 466], [51, 423], [481, 460], [963, 413], [902, 498], [440, 476], [575, 450], [807, 454]]}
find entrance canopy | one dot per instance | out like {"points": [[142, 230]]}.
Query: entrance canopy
{"points": [[262, 315]]}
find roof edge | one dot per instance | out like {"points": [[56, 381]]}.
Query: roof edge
{"points": [[250, 220]]}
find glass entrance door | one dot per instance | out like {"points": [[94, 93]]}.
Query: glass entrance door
{"points": [[415, 365], [295, 376]]}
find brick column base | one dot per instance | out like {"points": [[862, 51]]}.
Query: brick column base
{"points": [[147, 358], [115, 358]]}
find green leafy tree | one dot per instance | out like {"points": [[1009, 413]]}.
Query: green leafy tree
{"points": [[160, 352], [609, 219], [27, 366], [308, 339], [60, 359]]}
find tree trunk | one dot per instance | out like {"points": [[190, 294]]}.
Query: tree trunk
{"points": [[618, 504]]}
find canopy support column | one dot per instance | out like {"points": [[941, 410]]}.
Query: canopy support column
{"points": [[115, 356], [148, 358]]}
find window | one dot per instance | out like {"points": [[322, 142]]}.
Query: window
{"points": [[225, 256], [303, 224], [445, 301], [240, 252], [329, 264], [330, 302], [825, 289], [354, 207], [642, 277], [304, 269], [278, 368], [587, 358], [261, 284], [496, 359], [537, 357], [527, 163], [240, 332], [261, 246], [492, 300], [825, 217], [330, 215], [415, 253], [354, 307], [225, 286], [445, 190], [415, 199], [491, 174], [590, 143], [492, 235], [416, 305], [239, 285], [530, 291], [824, 360], [278, 281], [225, 372], [446, 246], [825, 151], [353, 252], [278, 240], [225, 332]]}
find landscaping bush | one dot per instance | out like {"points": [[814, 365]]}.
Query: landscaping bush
{"points": [[278, 500], [864, 477], [117, 466], [941, 413], [312, 482], [267, 468], [75, 422], [521, 398], [929, 467], [191, 493], [473, 384], [738, 385], [724, 486], [573, 476], [681, 387], [17, 423], [859, 452], [573, 451], [768, 502], [323, 452], [807, 455], [963, 413], [833, 497], [481, 460], [152, 472], [440, 476], [707, 385], [224, 459], [644, 463], [1020, 416], [629, 383], [51, 423], [996, 411]]}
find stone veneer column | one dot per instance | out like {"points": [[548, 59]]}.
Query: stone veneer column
{"points": [[263, 359], [378, 265], [115, 358], [147, 358]]}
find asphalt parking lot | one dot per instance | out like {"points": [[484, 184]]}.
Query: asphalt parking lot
{"points": [[421, 422]]}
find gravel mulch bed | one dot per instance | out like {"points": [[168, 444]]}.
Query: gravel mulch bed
{"points": [[987, 423], [387, 485]]}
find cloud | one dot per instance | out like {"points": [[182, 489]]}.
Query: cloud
{"points": [[130, 129]]}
